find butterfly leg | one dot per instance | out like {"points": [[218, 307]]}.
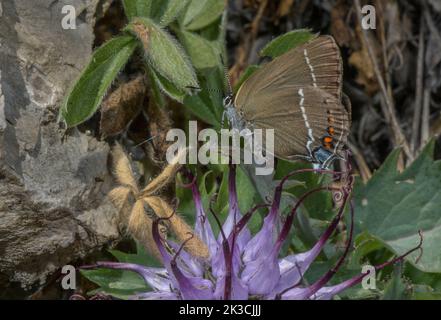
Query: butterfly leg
{"points": [[224, 114], [325, 165]]}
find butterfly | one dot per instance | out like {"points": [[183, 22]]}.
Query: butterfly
{"points": [[299, 95]]}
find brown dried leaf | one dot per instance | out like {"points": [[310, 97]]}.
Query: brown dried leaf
{"points": [[166, 176], [284, 7], [159, 123], [122, 169], [121, 106], [119, 196], [140, 226], [340, 30], [361, 60]]}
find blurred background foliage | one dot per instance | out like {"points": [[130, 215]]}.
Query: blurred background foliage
{"points": [[158, 64]]}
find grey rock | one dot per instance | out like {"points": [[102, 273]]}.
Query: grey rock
{"points": [[53, 186]]}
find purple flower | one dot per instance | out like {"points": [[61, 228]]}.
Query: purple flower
{"points": [[241, 265]]}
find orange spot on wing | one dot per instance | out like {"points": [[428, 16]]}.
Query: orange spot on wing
{"points": [[327, 142]]}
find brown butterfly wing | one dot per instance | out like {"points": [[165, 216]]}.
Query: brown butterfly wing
{"points": [[270, 98], [294, 68], [325, 116]]}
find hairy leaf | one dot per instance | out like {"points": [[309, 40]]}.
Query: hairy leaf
{"points": [[171, 9], [88, 92], [201, 13], [203, 53], [166, 87], [137, 8], [164, 54]]}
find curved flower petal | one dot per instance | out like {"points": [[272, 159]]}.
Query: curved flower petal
{"points": [[188, 263], [218, 261], [293, 267], [263, 242], [261, 275], [190, 288], [234, 214], [327, 293], [296, 294], [238, 290], [202, 226]]}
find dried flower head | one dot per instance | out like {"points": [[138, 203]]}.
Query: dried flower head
{"points": [[140, 207]]}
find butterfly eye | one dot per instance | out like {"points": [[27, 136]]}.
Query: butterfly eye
{"points": [[228, 100]]}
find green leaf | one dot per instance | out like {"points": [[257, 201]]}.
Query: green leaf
{"points": [[155, 88], [200, 108], [201, 13], [167, 87], [245, 191], [207, 103], [396, 289], [422, 292], [164, 54], [145, 8], [141, 257], [118, 283], [88, 92], [364, 245], [319, 268], [130, 8], [319, 205], [170, 11], [245, 75], [207, 187], [286, 42], [393, 206], [203, 53], [137, 8], [423, 278], [213, 32]]}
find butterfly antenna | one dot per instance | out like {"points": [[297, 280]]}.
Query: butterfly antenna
{"points": [[145, 141], [227, 75]]}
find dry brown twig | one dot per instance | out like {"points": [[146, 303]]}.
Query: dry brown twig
{"points": [[425, 117], [419, 90], [139, 207], [388, 107], [363, 168], [243, 52]]}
